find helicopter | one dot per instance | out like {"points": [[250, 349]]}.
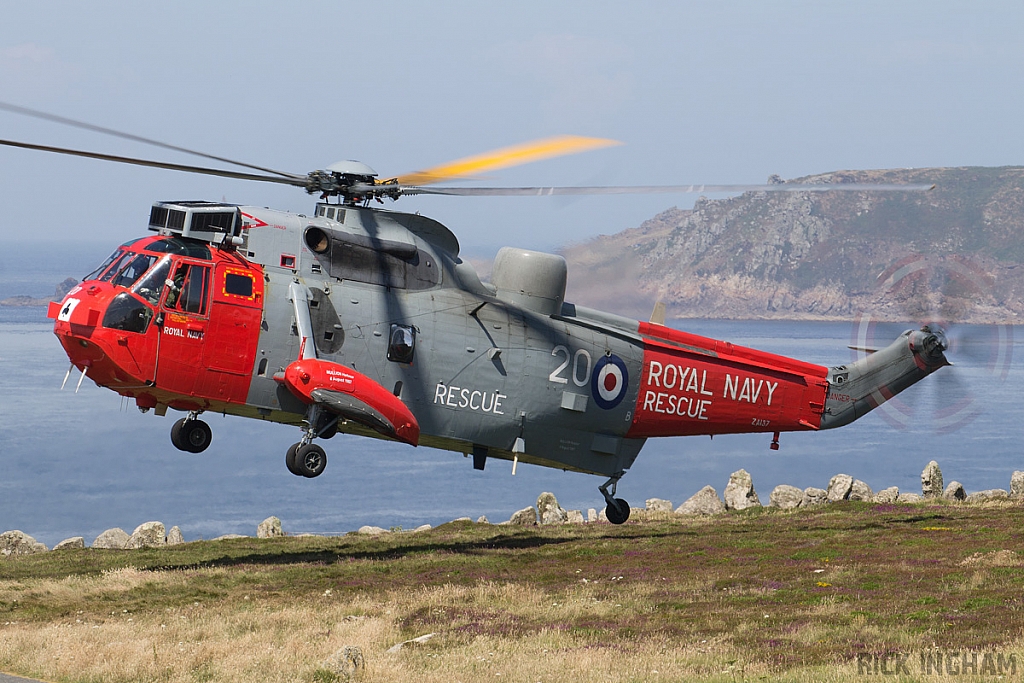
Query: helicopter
{"points": [[365, 320]]}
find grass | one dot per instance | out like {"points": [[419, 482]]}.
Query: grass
{"points": [[758, 594]]}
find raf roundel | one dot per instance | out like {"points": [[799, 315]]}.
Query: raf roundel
{"points": [[610, 381]]}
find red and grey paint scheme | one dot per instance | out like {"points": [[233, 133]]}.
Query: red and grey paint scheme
{"points": [[366, 321]]}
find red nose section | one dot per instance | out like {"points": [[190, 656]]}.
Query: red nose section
{"points": [[352, 395]]}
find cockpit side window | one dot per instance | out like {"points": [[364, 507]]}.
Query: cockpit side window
{"points": [[134, 270], [152, 285], [190, 290]]}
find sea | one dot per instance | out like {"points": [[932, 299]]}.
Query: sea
{"points": [[74, 463]]}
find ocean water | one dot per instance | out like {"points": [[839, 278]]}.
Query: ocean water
{"points": [[75, 464]]}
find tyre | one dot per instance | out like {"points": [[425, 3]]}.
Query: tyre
{"points": [[310, 460], [289, 460], [176, 435], [618, 513], [196, 436]]}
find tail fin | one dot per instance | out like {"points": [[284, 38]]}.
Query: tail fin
{"points": [[857, 388]]}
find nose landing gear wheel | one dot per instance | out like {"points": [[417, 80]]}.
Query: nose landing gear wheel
{"points": [[617, 513], [309, 460], [192, 436]]}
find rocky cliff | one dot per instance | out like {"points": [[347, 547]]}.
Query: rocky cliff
{"points": [[952, 253]]}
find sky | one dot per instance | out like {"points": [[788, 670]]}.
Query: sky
{"points": [[697, 92]]}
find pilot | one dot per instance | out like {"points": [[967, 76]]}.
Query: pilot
{"points": [[175, 285]]}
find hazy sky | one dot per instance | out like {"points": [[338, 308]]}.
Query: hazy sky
{"points": [[723, 92]]}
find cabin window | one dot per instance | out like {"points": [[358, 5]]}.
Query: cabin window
{"points": [[238, 284], [402, 343]]}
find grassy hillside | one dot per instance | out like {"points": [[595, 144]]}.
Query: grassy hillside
{"points": [[755, 595]]}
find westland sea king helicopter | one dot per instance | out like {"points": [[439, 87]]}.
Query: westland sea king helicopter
{"points": [[363, 320]]}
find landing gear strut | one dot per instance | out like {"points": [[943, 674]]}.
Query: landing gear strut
{"points": [[617, 510], [305, 458], [191, 434]]}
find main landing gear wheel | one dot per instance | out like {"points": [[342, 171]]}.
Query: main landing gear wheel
{"points": [[618, 512], [307, 460], [289, 460], [192, 436]]}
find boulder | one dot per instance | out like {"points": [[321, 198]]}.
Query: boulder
{"points": [[785, 497], [1017, 485], [524, 517], [860, 491], [482, 519], [112, 539], [174, 536], [421, 528], [548, 509], [72, 543], [347, 664], [954, 491], [410, 643], [889, 495], [931, 480], [658, 505], [574, 516], [814, 496], [230, 537], [839, 488], [704, 502], [909, 498], [591, 515], [988, 494], [19, 543], [269, 528], [739, 493], [147, 535], [372, 530]]}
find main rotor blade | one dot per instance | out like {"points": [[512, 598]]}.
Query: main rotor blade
{"points": [[505, 157], [296, 180], [33, 113], [657, 189]]}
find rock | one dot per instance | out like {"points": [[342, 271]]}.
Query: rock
{"points": [[1017, 485], [414, 641], [174, 536], [988, 494], [602, 515], [860, 491], [269, 528], [112, 539], [839, 488], [931, 480], [889, 495], [591, 515], [372, 530], [785, 497], [659, 505], [482, 519], [704, 502], [549, 511], [954, 491], [19, 543], [909, 498], [229, 537], [422, 527], [814, 496], [457, 520], [347, 664], [524, 517], [574, 516], [739, 493], [147, 535], [72, 543]]}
